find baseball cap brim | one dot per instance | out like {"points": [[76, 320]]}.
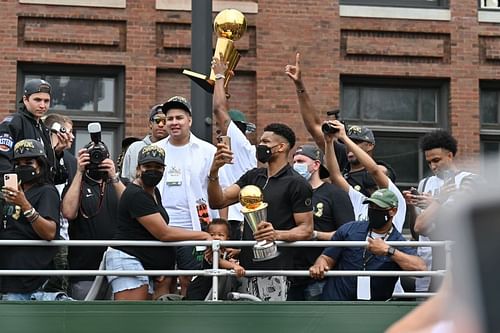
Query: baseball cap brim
{"points": [[151, 159], [175, 105], [378, 202]]}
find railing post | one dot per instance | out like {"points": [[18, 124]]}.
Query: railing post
{"points": [[215, 268]]}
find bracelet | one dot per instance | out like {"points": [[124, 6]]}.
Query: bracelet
{"points": [[300, 91], [29, 213], [115, 179], [213, 179], [219, 76], [33, 219]]}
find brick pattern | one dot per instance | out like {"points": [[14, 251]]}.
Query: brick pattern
{"points": [[153, 47]]}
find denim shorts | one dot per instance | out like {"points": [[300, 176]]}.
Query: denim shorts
{"points": [[117, 260]]}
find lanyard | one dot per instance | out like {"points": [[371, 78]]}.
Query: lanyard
{"points": [[365, 259]]}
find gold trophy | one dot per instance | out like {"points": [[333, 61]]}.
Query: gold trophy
{"points": [[255, 211], [229, 25]]}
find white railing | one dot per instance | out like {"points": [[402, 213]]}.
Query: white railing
{"points": [[215, 272]]}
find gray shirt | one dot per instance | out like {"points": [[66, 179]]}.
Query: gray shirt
{"points": [[130, 160]]}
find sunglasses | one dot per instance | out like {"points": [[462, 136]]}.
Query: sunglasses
{"points": [[159, 120]]}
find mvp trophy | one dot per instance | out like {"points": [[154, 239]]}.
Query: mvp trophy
{"points": [[255, 211], [229, 25]]}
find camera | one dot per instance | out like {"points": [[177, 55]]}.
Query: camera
{"points": [[56, 127], [328, 128], [96, 149]]}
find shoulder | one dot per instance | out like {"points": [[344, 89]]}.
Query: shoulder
{"points": [[352, 227]]}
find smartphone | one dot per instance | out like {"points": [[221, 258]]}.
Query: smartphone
{"points": [[414, 191], [10, 180], [225, 140]]}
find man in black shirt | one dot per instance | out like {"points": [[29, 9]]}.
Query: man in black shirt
{"points": [[90, 204], [27, 124], [288, 195], [332, 208]]}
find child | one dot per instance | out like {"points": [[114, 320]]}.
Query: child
{"points": [[200, 285], [219, 229]]}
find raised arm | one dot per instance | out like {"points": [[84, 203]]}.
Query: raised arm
{"points": [[218, 198], [220, 103], [310, 115], [332, 164]]}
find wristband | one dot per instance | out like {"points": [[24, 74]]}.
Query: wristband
{"points": [[213, 179], [300, 91], [115, 179], [219, 76], [314, 235], [29, 213]]}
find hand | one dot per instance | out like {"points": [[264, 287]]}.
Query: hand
{"points": [[109, 166], [318, 270], [232, 253], [15, 196], [83, 160], [377, 246], [222, 156], [208, 255], [294, 72], [423, 200], [63, 141], [265, 231], [219, 66], [240, 271], [447, 190]]}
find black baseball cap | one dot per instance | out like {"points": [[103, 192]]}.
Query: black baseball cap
{"points": [[158, 108], [314, 153], [28, 148], [177, 102], [359, 133], [151, 153], [36, 86]]}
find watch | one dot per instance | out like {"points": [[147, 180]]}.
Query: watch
{"points": [[391, 251]]}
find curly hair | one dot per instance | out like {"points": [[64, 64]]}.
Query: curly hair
{"points": [[283, 131], [439, 139]]}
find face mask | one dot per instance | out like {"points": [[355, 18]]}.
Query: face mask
{"points": [[303, 170], [151, 178], [264, 153], [377, 218], [26, 173]]}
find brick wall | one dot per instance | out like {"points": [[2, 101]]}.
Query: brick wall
{"points": [[153, 47]]}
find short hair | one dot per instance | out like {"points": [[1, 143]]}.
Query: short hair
{"points": [[54, 118], [283, 131], [221, 221], [439, 139]]}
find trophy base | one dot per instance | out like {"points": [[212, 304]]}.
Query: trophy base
{"points": [[264, 250], [200, 79]]}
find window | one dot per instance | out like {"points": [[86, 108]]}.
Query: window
{"points": [[489, 104], [489, 4], [399, 3], [399, 111], [85, 94]]}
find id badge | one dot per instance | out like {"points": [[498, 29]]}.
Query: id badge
{"points": [[364, 292], [174, 176]]}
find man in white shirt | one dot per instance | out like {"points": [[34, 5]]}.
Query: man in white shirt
{"points": [[184, 184], [232, 123]]}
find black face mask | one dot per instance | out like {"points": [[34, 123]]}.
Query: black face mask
{"points": [[26, 173], [151, 178], [264, 153], [377, 218]]}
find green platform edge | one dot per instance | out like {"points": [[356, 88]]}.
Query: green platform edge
{"points": [[194, 317]]}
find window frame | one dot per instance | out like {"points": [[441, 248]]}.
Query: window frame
{"points": [[113, 121], [444, 4]]}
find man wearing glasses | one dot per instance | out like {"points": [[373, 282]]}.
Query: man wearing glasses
{"points": [[157, 122]]}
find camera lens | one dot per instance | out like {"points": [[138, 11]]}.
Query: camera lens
{"points": [[327, 128], [63, 130]]}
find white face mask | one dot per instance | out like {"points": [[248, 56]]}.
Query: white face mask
{"points": [[303, 170]]}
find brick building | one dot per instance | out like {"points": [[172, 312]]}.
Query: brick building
{"points": [[402, 67]]}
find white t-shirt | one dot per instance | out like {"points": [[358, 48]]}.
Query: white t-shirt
{"points": [[244, 160], [361, 209], [174, 197]]}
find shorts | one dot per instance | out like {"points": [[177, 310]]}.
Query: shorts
{"points": [[117, 260], [188, 258]]}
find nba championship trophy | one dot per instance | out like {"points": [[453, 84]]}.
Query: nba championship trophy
{"points": [[255, 211], [229, 25]]}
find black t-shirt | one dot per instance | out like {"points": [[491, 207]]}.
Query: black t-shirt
{"points": [[332, 208], [100, 224], [286, 193], [45, 199], [135, 203]]}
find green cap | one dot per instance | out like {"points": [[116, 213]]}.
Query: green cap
{"points": [[383, 198], [236, 115]]}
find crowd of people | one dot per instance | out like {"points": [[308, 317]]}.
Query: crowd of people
{"points": [[174, 186]]}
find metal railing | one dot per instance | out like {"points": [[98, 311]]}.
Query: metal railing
{"points": [[215, 272]]}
